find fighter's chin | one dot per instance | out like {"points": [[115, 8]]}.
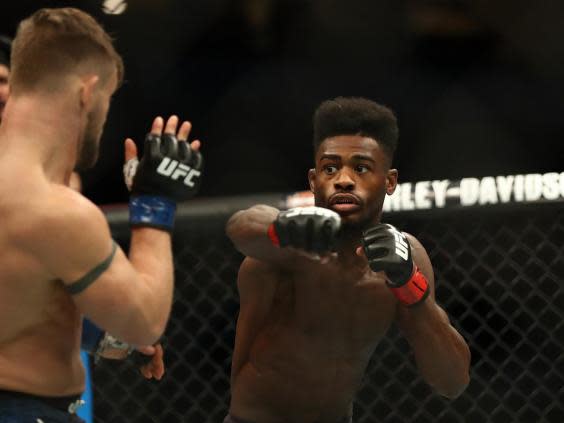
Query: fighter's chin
{"points": [[349, 219], [348, 212]]}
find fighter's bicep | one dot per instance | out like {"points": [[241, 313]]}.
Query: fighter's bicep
{"points": [[76, 247], [78, 286], [69, 241], [112, 293]]}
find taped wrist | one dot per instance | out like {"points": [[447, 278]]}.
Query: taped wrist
{"points": [[273, 235], [414, 291], [154, 211], [109, 342]]}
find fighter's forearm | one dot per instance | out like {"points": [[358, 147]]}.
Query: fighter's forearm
{"points": [[248, 230], [441, 354], [150, 254]]}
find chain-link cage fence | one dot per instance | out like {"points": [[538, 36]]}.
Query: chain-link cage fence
{"points": [[499, 275]]}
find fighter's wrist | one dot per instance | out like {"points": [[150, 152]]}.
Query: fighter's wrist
{"points": [[412, 292], [110, 344], [153, 211], [273, 235]]}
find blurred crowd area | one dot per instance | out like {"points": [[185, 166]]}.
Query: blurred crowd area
{"points": [[476, 84]]}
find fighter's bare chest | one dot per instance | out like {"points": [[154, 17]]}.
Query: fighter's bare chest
{"points": [[334, 301], [342, 284]]}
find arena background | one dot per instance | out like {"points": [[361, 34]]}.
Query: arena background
{"points": [[498, 270], [477, 86]]}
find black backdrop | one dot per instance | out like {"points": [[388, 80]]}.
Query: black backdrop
{"points": [[476, 85]]}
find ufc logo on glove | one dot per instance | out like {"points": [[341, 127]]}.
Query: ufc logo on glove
{"points": [[154, 197], [401, 245], [174, 170]]}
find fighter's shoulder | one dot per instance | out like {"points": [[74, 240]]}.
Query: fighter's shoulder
{"points": [[420, 255], [413, 241], [60, 213], [69, 206]]}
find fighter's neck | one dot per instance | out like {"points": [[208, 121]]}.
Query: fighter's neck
{"points": [[350, 239], [347, 244], [44, 132]]}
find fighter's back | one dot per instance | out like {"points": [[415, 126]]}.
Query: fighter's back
{"points": [[39, 323]]}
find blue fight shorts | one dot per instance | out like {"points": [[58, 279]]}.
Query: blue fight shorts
{"points": [[17, 407]]}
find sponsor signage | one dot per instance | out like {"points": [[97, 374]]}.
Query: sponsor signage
{"points": [[489, 190]]}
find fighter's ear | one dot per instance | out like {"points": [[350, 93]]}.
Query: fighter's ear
{"points": [[88, 86], [391, 181], [311, 178]]}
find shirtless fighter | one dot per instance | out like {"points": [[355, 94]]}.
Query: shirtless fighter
{"points": [[320, 286], [58, 260]]}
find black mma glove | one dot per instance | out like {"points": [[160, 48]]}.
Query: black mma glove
{"points": [[168, 172], [312, 229], [388, 250]]}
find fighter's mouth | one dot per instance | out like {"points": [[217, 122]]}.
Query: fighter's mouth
{"points": [[344, 199], [344, 203]]}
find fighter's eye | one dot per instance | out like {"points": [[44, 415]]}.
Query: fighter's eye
{"points": [[330, 169], [362, 168]]}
